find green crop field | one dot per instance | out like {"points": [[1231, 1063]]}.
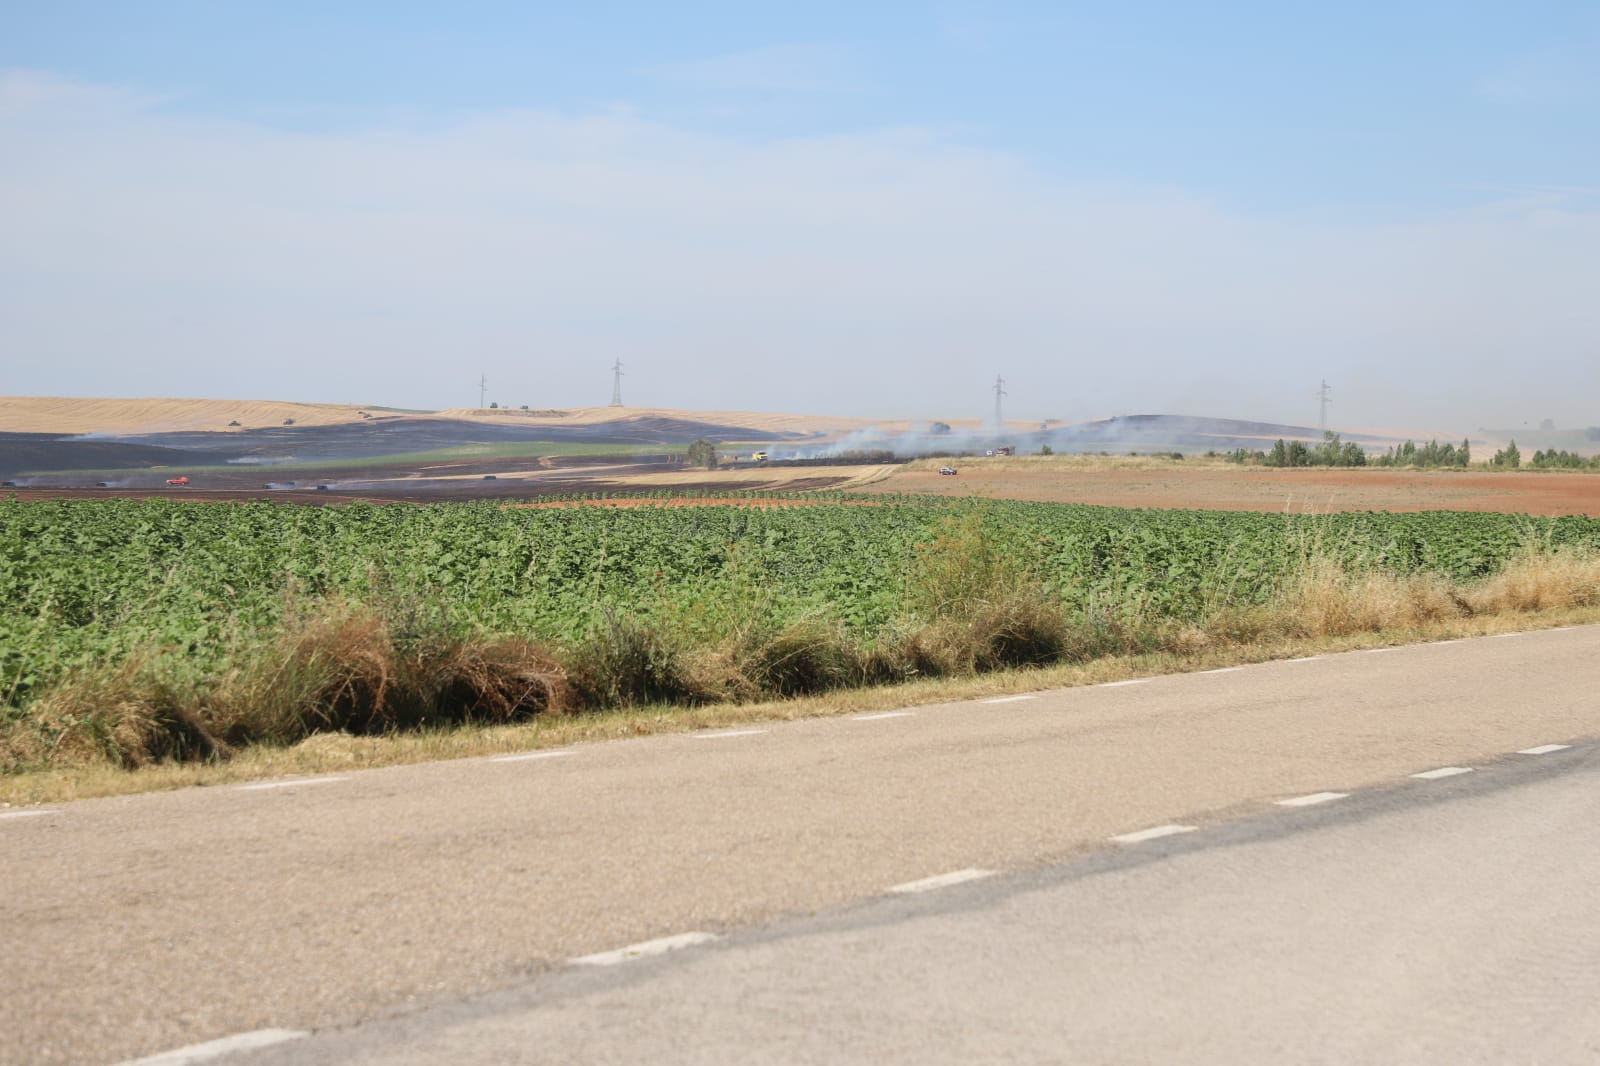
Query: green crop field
{"points": [[86, 583]]}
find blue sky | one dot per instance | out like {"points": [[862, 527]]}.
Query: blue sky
{"points": [[1121, 207]]}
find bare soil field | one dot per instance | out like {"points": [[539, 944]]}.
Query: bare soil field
{"points": [[1221, 486]]}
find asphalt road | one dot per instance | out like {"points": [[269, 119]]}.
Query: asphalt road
{"points": [[140, 924], [1458, 922]]}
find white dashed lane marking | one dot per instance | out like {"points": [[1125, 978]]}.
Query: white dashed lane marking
{"points": [[215, 1049], [1010, 699], [1443, 771], [1153, 833], [644, 949], [1305, 659], [1312, 799], [1544, 749], [727, 733], [265, 785], [25, 814], [1224, 670], [954, 877], [529, 755], [881, 716], [1120, 684]]}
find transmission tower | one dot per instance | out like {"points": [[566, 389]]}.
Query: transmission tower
{"points": [[616, 384], [1325, 396], [999, 391], [483, 389]]}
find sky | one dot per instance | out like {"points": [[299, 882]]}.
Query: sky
{"points": [[869, 210]]}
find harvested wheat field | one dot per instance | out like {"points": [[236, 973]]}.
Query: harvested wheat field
{"points": [[57, 414], [1215, 485], [132, 416]]}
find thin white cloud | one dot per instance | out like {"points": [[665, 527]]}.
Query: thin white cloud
{"points": [[783, 68], [1554, 75], [890, 272], [26, 92]]}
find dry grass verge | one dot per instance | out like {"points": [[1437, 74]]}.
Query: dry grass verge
{"points": [[340, 752], [348, 686]]}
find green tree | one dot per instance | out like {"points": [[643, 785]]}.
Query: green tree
{"points": [[703, 453], [1509, 456]]}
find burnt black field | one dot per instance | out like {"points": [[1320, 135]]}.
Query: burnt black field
{"points": [[25, 453]]}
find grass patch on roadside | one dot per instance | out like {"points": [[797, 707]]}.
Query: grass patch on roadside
{"points": [[341, 752], [341, 685]]}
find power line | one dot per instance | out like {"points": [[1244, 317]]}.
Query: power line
{"points": [[616, 384]]}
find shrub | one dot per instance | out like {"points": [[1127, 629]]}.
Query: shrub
{"points": [[624, 662]]}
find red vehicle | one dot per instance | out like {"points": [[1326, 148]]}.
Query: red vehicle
{"points": [[177, 480]]}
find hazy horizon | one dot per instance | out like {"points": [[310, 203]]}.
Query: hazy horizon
{"points": [[868, 214]]}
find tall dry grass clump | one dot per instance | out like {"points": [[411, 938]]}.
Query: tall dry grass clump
{"points": [[1540, 579], [354, 669], [131, 716], [1325, 598], [972, 605], [626, 661], [331, 667], [805, 657]]}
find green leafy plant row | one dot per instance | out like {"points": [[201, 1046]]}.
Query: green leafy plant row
{"points": [[86, 583]]}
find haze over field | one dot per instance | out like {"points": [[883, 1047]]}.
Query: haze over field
{"points": [[871, 215]]}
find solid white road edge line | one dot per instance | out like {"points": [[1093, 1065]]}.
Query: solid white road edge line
{"points": [[954, 877], [25, 814], [1010, 699], [265, 785], [644, 949], [727, 733], [1443, 771], [1153, 833], [527, 755], [882, 715], [1119, 684], [215, 1049], [1306, 659], [1223, 670], [1544, 749], [1315, 797]]}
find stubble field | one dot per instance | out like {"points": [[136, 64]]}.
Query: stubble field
{"points": [[1112, 481]]}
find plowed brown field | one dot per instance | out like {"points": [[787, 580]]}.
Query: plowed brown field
{"points": [[1225, 487]]}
